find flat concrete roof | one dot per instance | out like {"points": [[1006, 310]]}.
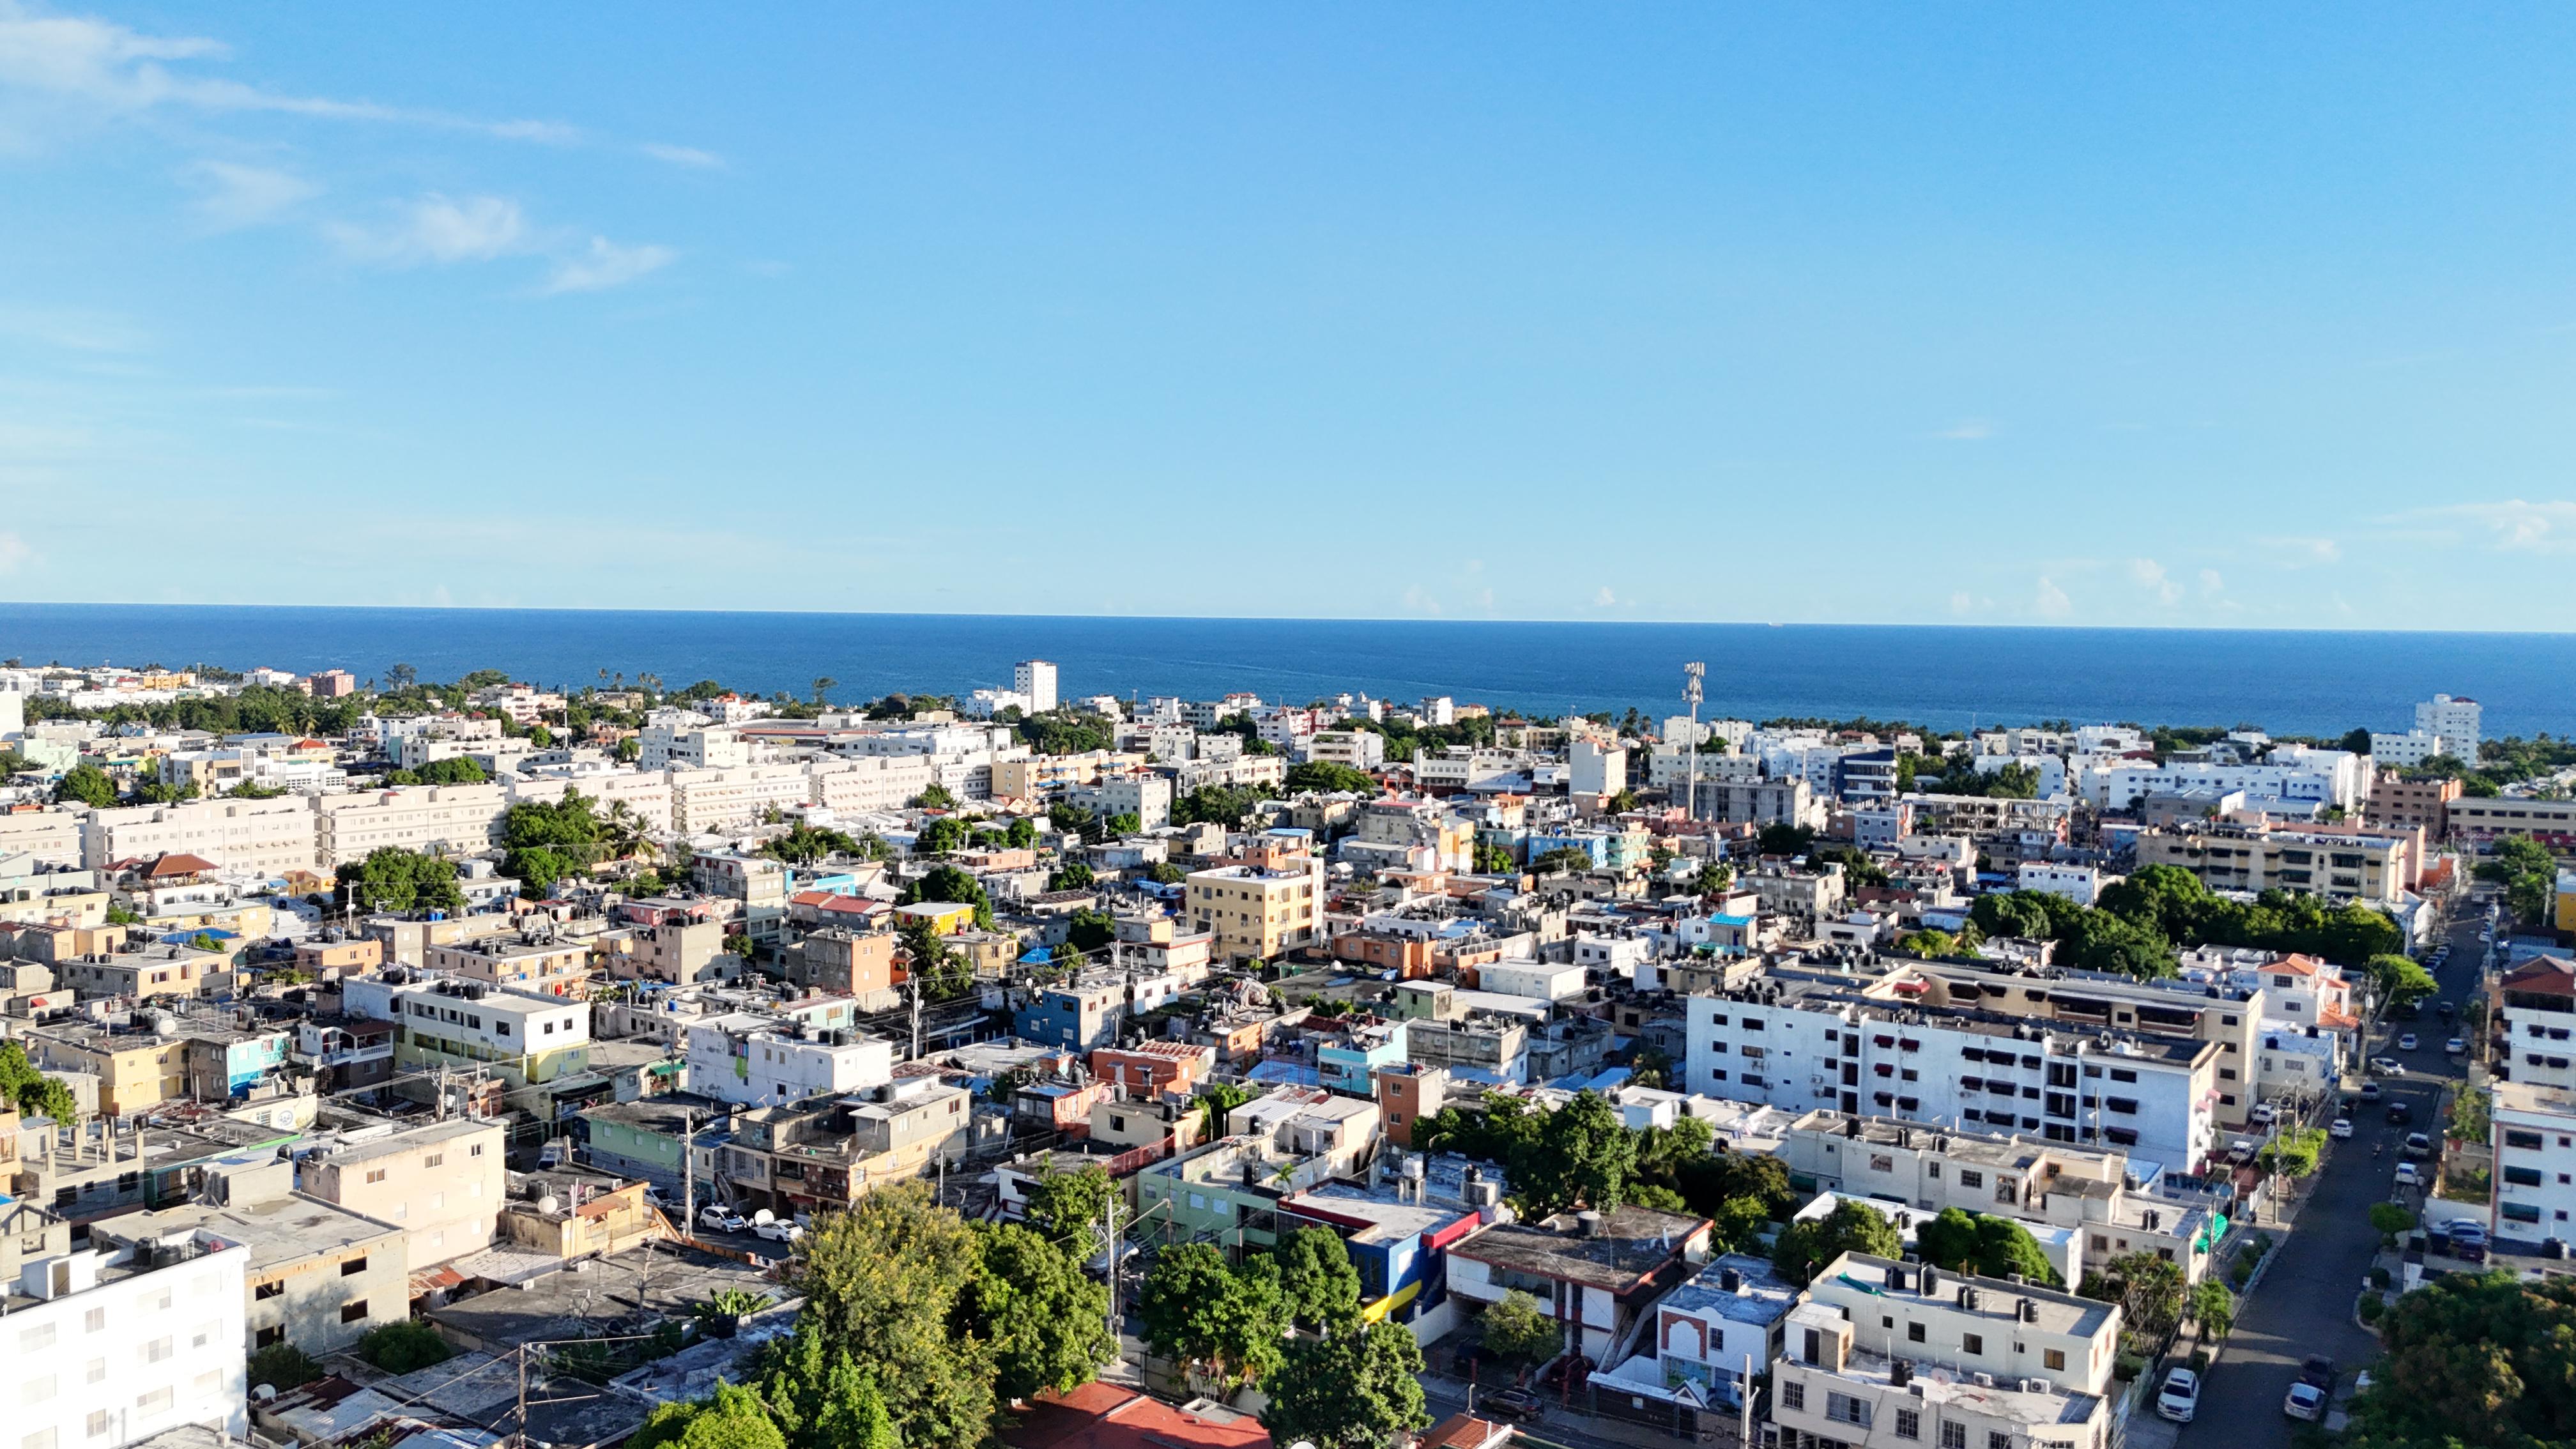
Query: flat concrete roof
{"points": [[280, 1231]]}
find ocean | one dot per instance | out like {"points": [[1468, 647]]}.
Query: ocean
{"points": [[2292, 682]]}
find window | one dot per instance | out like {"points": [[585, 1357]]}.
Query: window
{"points": [[1972, 1344], [268, 1337], [1793, 1395], [1909, 1424], [1844, 1409], [375, 1174], [41, 1439], [157, 1350], [2526, 1140], [353, 1312], [1969, 1177], [1914, 1333], [2523, 1176], [99, 1422], [1954, 1436], [355, 1266], [2053, 1359], [435, 1159], [98, 1367], [474, 1151], [275, 1289], [40, 1337], [94, 1320], [36, 1390], [155, 1402]]}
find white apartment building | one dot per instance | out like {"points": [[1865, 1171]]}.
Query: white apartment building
{"points": [[2407, 750], [1804, 1045], [2456, 721], [2538, 1015], [1147, 797], [521, 1038], [2291, 777], [1462, 767], [870, 784], [258, 837], [757, 1060], [1593, 769], [1901, 1353], [718, 800], [53, 836], [2535, 1163], [436, 819], [645, 794], [1358, 749], [1035, 679], [2077, 883], [108, 1347], [688, 740]]}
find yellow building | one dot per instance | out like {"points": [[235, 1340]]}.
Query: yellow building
{"points": [[1258, 911], [947, 918], [135, 1070]]}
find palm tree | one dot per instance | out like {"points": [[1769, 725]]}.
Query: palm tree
{"points": [[822, 685]]}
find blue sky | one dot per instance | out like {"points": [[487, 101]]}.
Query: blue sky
{"points": [[2041, 314]]}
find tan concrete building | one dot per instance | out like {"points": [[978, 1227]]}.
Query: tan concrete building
{"points": [[545, 968], [160, 969], [268, 837], [436, 819], [442, 1185], [2371, 870], [2397, 804], [135, 1070], [1258, 911]]}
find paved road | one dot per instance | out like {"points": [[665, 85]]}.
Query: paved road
{"points": [[2305, 1303]]}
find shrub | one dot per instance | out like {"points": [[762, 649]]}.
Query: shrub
{"points": [[2373, 1306], [2239, 1271], [2379, 1277], [399, 1348], [2200, 1360], [283, 1366], [2130, 1365]]}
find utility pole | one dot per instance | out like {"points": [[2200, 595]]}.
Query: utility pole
{"points": [[688, 1171], [1109, 1233], [1692, 674], [523, 1396]]}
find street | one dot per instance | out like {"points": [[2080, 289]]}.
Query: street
{"points": [[2305, 1303]]}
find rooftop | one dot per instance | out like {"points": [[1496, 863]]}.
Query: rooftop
{"points": [[1112, 1416], [280, 1231], [1634, 1244], [1996, 1300], [402, 1140]]}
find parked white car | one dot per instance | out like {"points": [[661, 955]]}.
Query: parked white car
{"points": [[2340, 1129], [2407, 1176], [779, 1230], [2179, 1399], [721, 1218]]}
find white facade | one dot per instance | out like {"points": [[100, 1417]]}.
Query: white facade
{"points": [[436, 819], [755, 1061], [728, 799], [2455, 720], [2312, 778], [684, 738], [1035, 678], [2152, 1097], [1359, 749], [261, 837], [872, 783], [53, 837], [2535, 1163], [1592, 769], [114, 1350], [2077, 883], [1544, 980], [2407, 750]]}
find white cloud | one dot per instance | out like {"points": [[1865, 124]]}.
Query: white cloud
{"points": [[1605, 599], [2210, 583], [2051, 602], [682, 155], [2515, 525], [237, 196], [1967, 430], [14, 553], [2303, 552], [2146, 573], [103, 67], [435, 230], [606, 264], [1418, 601]]}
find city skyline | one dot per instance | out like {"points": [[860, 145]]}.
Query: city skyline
{"points": [[2213, 321]]}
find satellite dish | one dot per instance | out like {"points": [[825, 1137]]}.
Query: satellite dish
{"points": [[548, 1205], [264, 1392]]}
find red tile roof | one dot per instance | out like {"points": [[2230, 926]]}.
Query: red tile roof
{"points": [[1108, 1416]]}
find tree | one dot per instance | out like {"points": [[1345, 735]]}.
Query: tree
{"points": [[1517, 1330], [2399, 979], [1163, 872], [2471, 1114], [1210, 1318], [733, 1418], [2391, 1219], [1048, 1324], [823, 686], [1714, 877], [1125, 823], [1493, 860], [1066, 1206], [1221, 1099], [851, 1413], [399, 1348], [940, 836], [1354, 1390], [1089, 932], [1317, 1284], [1330, 778], [949, 886], [1785, 839], [1585, 1156], [283, 1366], [31, 1091], [2294, 1152], [936, 797], [1565, 858], [885, 1282], [457, 771], [400, 881], [1806, 1246], [2474, 1359], [86, 784], [2213, 1308], [1074, 876], [2355, 741], [2148, 1289]]}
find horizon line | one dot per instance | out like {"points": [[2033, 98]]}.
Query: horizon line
{"points": [[1959, 624]]}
